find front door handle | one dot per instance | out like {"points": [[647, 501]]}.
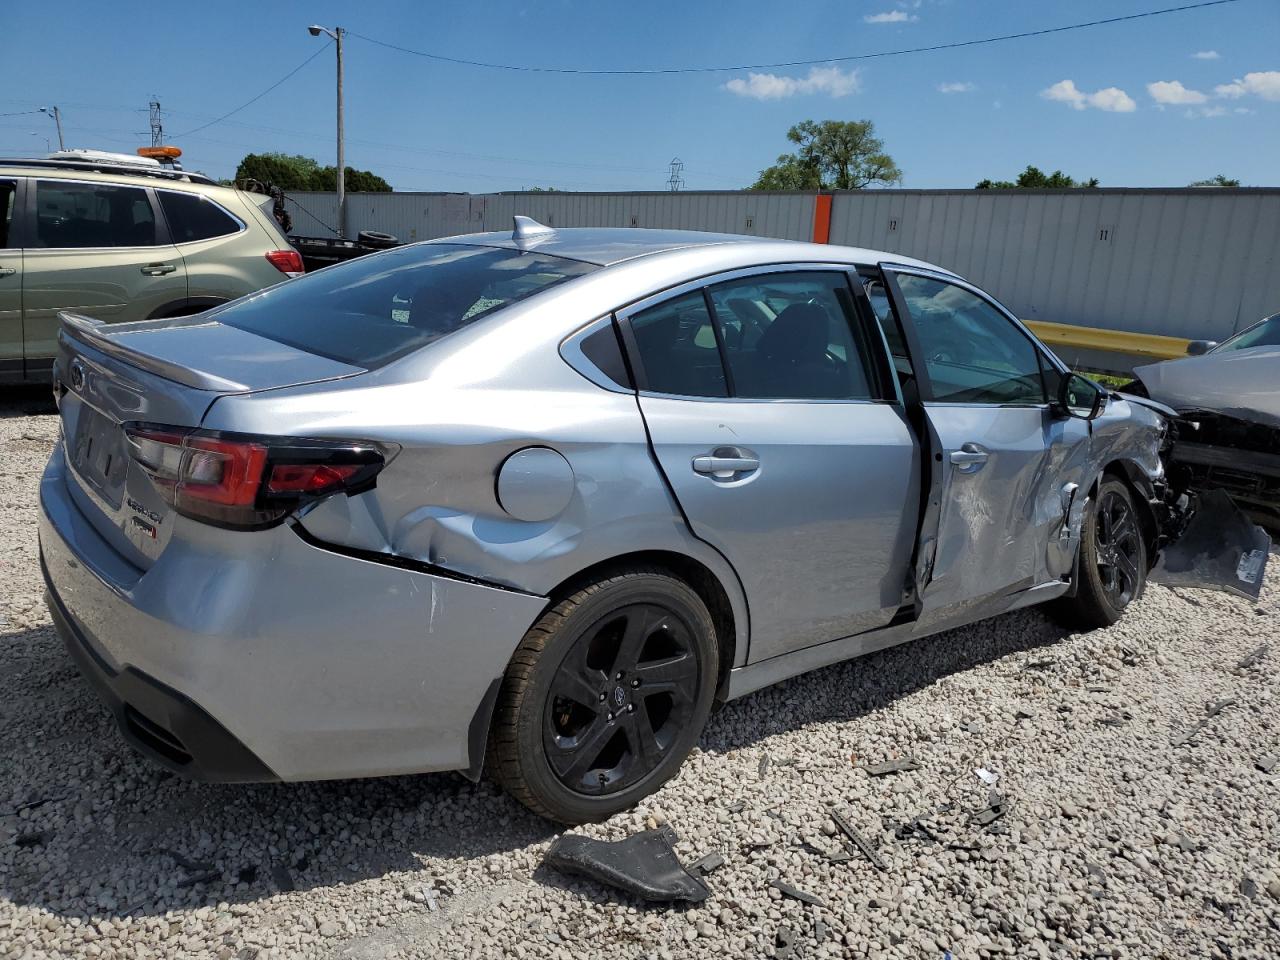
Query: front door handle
{"points": [[158, 269], [724, 463], [969, 458], [7, 271]]}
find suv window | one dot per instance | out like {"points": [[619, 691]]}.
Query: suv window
{"points": [[92, 215], [791, 335], [677, 345], [375, 309], [972, 352], [8, 190], [192, 217]]}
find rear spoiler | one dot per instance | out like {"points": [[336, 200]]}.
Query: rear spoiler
{"points": [[90, 333]]}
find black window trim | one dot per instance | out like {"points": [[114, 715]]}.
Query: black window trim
{"points": [[572, 353], [159, 204], [889, 272], [882, 392], [33, 188], [18, 226]]}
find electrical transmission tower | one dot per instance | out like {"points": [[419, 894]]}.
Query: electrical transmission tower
{"points": [[157, 128], [675, 181]]}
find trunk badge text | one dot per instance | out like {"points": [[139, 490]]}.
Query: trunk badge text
{"points": [[136, 507]]}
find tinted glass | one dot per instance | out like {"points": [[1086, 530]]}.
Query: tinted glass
{"points": [[972, 353], [380, 307], [192, 217], [603, 350], [791, 335], [1264, 334], [7, 190], [92, 215], [677, 346]]}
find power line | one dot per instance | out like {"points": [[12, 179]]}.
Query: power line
{"points": [[258, 97], [656, 71], [20, 113]]}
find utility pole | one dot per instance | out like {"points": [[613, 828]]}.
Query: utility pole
{"points": [[57, 119], [336, 35]]}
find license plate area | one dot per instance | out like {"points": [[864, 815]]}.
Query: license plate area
{"points": [[98, 455]]}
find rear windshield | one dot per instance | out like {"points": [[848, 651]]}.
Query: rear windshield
{"points": [[376, 309]]}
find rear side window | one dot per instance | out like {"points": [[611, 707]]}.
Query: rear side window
{"points": [[677, 347], [192, 217], [378, 308], [92, 215]]}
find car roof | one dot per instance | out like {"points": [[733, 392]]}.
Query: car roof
{"points": [[98, 172], [606, 246]]}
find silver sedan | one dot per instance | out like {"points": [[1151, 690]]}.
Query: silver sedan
{"points": [[534, 502]]}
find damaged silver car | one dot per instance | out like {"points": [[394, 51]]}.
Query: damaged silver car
{"points": [[535, 502], [1227, 423]]}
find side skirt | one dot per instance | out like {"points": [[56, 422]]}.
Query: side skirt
{"points": [[756, 676]]}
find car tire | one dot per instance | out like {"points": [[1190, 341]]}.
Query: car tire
{"points": [[1113, 560], [641, 647]]}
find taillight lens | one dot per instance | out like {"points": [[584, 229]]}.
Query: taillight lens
{"points": [[289, 262], [248, 482]]}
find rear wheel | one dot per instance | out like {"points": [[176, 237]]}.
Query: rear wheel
{"points": [[1113, 560], [605, 697]]}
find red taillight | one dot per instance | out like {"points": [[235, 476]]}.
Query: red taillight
{"points": [[245, 481], [288, 262]]}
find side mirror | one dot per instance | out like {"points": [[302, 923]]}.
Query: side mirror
{"points": [[1080, 397], [1198, 348]]}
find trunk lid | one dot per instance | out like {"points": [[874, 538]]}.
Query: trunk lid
{"points": [[157, 371]]}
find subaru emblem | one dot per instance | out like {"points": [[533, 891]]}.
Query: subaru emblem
{"points": [[77, 375]]}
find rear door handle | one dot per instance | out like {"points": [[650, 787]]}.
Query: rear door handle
{"points": [[158, 269], [969, 458], [7, 271], [725, 462]]}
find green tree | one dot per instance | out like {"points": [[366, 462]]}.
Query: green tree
{"points": [[296, 172], [831, 155], [1033, 178], [1218, 181], [541, 190]]}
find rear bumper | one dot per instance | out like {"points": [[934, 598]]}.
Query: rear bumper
{"points": [[259, 656]]}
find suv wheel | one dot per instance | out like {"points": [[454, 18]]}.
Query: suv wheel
{"points": [[605, 697]]}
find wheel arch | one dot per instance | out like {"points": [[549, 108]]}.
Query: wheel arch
{"points": [[185, 306]]}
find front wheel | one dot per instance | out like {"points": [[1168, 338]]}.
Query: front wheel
{"points": [[1113, 561], [605, 697]]}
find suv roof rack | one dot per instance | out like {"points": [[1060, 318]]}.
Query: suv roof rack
{"points": [[110, 166]]}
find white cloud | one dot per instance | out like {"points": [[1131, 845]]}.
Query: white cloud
{"points": [[1214, 111], [1206, 55], [1264, 84], [832, 81], [1111, 99], [891, 16], [1172, 92], [962, 87]]}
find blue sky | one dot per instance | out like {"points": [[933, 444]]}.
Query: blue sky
{"points": [[1155, 102]]}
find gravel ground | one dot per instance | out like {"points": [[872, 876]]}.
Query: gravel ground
{"points": [[1119, 842]]}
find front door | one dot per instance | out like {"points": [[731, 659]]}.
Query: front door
{"points": [[1003, 458], [768, 418], [10, 284], [97, 249]]}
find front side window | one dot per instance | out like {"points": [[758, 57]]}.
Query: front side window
{"points": [[192, 217], [92, 215], [971, 351], [792, 336], [378, 308], [677, 346]]}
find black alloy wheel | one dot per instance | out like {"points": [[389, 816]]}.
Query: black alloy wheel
{"points": [[1118, 549]]}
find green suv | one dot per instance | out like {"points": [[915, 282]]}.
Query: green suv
{"points": [[121, 239]]}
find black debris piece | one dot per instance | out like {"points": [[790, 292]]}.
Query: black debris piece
{"points": [[643, 864], [247, 874], [764, 766], [40, 802], [1191, 734], [35, 838], [705, 865], [1098, 689], [282, 877], [1218, 706], [901, 765], [1249, 888], [737, 806], [1022, 714], [1254, 657], [859, 841], [202, 877], [1040, 665], [1220, 548], [803, 896], [1268, 763], [996, 808]]}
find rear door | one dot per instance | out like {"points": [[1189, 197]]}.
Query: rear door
{"points": [[10, 282], [770, 415], [99, 249], [1010, 468]]}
